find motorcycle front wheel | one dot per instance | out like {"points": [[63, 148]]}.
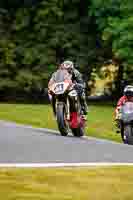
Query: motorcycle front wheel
{"points": [[62, 124], [128, 134]]}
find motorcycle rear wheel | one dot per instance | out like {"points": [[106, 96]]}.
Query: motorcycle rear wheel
{"points": [[78, 132]]}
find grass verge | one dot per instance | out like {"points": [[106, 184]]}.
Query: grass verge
{"points": [[112, 183], [99, 124]]}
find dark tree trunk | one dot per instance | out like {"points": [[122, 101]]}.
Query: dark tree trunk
{"points": [[119, 83]]}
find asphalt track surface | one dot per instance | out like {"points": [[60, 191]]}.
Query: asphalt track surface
{"points": [[24, 144]]}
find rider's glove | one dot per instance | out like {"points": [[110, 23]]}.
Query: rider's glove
{"points": [[78, 87]]}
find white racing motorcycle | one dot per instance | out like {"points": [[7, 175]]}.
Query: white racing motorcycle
{"points": [[66, 104], [126, 122]]}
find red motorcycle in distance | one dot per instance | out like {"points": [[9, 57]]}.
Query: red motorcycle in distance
{"points": [[66, 104]]}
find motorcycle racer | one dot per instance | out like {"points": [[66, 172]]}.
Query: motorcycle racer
{"points": [[127, 97], [77, 79]]}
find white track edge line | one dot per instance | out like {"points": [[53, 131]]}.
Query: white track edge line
{"points": [[57, 165]]}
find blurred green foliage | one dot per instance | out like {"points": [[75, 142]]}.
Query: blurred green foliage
{"points": [[36, 36]]}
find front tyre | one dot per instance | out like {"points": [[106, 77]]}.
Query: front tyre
{"points": [[62, 125], [128, 134]]}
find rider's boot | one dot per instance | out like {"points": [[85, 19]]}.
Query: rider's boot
{"points": [[84, 111], [84, 107]]}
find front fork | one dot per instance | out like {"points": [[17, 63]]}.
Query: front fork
{"points": [[70, 104], [67, 109]]}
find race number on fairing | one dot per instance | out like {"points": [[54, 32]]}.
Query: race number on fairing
{"points": [[59, 88]]}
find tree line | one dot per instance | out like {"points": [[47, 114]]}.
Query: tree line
{"points": [[35, 36]]}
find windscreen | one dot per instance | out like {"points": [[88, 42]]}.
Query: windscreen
{"points": [[127, 107], [127, 112], [61, 75]]}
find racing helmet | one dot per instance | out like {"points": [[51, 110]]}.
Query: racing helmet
{"points": [[128, 91], [67, 65]]}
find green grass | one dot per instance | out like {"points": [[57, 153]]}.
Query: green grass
{"points": [[99, 124], [112, 183]]}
